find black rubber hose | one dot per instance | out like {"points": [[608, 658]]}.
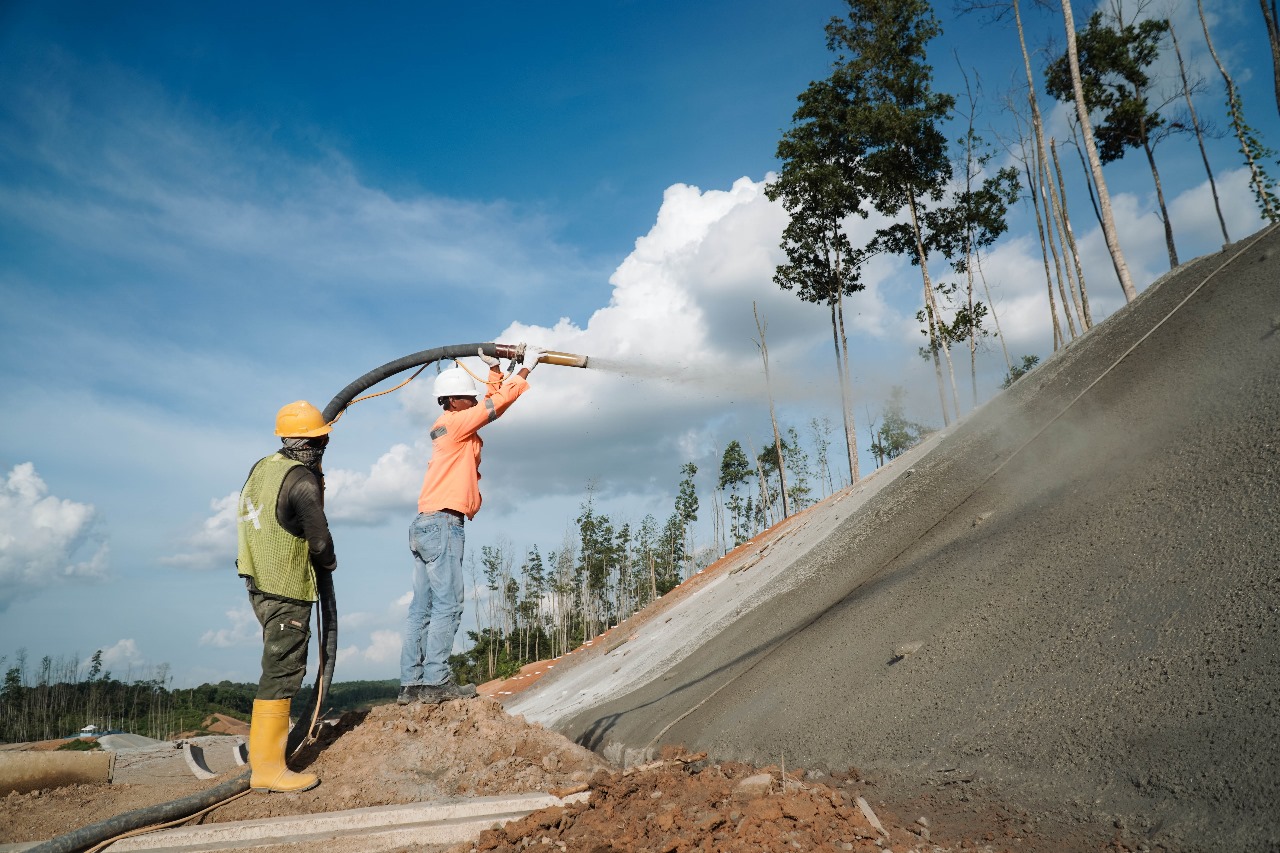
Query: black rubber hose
{"points": [[306, 729], [306, 726], [96, 833], [391, 368]]}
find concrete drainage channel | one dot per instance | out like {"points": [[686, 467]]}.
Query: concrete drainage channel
{"points": [[376, 828]]}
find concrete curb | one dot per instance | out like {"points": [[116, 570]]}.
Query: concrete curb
{"points": [[23, 771], [378, 827]]}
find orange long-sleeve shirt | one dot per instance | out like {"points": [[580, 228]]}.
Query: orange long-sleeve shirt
{"points": [[452, 480]]}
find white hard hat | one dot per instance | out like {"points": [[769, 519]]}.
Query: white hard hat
{"points": [[455, 382]]}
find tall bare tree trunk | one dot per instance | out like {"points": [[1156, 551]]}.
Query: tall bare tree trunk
{"points": [[1095, 164], [1051, 224], [1164, 210], [1054, 204], [846, 393], [1086, 319], [1055, 207], [969, 258], [973, 335], [1088, 176], [1273, 36], [764, 486], [777, 440], [1195, 125], [1008, 363], [1257, 178], [1044, 251], [937, 338], [931, 304], [1061, 227]]}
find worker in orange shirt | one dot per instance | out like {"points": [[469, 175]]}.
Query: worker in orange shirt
{"points": [[450, 496]]}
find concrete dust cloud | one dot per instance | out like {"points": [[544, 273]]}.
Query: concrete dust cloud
{"points": [[647, 370]]}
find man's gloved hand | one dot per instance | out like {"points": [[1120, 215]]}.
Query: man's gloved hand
{"points": [[532, 355], [487, 359]]}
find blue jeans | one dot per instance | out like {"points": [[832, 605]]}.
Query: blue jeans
{"points": [[437, 542]]}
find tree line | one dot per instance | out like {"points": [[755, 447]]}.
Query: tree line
{"points": [[55, 699], [58, 698]]}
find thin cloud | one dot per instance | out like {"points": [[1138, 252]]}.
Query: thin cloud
{"points": [[242, 629], [214, 543]]}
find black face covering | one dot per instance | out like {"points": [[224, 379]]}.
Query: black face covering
{"points": [[308, 451]]}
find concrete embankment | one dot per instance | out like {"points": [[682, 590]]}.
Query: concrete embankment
{"points": [[1085, 571]]}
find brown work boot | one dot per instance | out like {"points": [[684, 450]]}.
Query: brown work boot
{"points": [[433, 694]]}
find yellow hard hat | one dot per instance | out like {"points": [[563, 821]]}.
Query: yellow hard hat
{"points": [[301, 420]]}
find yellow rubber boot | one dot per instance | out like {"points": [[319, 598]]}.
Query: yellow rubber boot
{"points": [[268, 734]]}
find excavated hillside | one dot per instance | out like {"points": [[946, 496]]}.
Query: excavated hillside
{"points": [[1072, 596]]}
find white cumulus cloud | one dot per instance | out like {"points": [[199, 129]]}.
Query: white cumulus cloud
{"points": [[242, 629], [41, 537], [383, 648], [388, 488], [122, 656], [214, 543]]}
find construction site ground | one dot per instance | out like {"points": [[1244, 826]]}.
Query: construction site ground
{"points": [[467, 748]]}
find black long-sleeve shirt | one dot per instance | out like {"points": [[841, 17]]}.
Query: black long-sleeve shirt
{"points": [[300, 510]]}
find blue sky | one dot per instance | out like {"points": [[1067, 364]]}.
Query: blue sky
{"points": [[207, 211]]}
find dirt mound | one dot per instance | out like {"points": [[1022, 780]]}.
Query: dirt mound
{"points": [[686, 804], [221, 724], [386, 756], [392, 755], [722, 807], [217, 724]]}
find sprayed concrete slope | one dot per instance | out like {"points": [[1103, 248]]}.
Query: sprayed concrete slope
{"points": [[1088, 565]]}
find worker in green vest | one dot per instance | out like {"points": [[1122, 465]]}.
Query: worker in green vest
{"points": [[284, 540]]}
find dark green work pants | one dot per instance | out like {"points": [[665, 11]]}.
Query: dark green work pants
{"points": [[286, 632]]}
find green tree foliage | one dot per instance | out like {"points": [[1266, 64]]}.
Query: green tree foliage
{"points": [[797, 463], [897, 117], [820, 186], [1114, 60], [686, 512], [800, 473], [896, 434], [1113, 70], [58, 701], [1020, 370], [489, 657], [735, 470], [78, 745]]}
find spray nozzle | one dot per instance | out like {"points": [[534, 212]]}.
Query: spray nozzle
{"points": [[564, 359]]}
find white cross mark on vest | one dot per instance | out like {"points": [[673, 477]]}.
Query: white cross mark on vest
{"points": [[252, 514]]}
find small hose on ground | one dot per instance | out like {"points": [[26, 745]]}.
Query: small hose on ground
{"points": [[95, 833]]}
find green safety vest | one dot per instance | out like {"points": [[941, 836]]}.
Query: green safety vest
{"points": [[278, 561]]}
